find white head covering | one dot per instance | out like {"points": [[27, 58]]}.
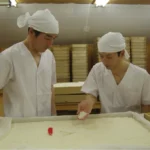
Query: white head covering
{"points": [[112, 42], [41, 20]]}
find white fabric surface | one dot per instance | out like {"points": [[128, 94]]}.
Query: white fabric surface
{"points": [[100, 147], [69, 84], [26, 87], [132, 91], [5, 126], [41, 20], [112, 42], [136, 116]]}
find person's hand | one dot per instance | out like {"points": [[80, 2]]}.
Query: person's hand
{"points": [[85, 106]]}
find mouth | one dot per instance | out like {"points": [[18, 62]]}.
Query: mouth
{"points": [[107, 67], [44, 49]]}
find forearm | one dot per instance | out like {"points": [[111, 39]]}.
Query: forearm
{"points": [[53, 106], [145, 108], [91, 98]]}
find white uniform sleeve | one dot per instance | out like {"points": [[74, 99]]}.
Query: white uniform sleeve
{"points": [[146, 91], [53, 70], [90, 85], [6, 70]]}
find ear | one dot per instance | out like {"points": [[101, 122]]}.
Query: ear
{"points": [[122, 53], [30, 31]]}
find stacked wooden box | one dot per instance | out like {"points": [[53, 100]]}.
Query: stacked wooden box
{"points": [[96, 56], [62, 57], [147, 116], [69, 95], [138, 51], [79, 62], [128, 46]]}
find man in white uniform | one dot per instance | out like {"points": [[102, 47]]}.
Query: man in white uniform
{"points": [[120, 85], [27, 69]]}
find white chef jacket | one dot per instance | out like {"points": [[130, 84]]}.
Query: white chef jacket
{"points": [[26, 87], [128, 95]]}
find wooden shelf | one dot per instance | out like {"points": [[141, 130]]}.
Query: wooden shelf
{"points": [[72, 106]]}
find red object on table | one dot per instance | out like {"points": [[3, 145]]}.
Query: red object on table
{"points": [[50, 131]]}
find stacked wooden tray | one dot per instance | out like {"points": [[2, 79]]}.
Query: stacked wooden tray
{"points": [[96, 55], [79, 62], [68, 95], [62, 57], [128, 47], [138, 50], [147, 116]]}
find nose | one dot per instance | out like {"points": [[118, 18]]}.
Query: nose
{"points": [[50, 42], [104, 60]]}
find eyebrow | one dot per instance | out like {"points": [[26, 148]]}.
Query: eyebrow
{"points": [[48, 35], [108, 55]]}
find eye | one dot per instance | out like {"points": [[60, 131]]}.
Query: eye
{"points": [[109, 57], [101, 56], [50, 37]]}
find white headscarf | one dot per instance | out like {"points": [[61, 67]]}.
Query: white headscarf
{"points": [[41, 20], [112, 42]]}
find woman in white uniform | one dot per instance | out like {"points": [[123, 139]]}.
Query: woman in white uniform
{"points": [[27, 69], [120, 85]]}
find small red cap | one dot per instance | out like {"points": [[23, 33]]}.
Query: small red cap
{"points": [[50, 131]]}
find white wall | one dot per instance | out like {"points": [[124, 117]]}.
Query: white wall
{"points": [[131, 20]]}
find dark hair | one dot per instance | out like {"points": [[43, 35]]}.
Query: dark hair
{"points": [[119, 53], [37, 33]]}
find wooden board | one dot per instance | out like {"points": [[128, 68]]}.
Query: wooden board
{"points": [[80, 66], [139, 46], [62, 80], [78, 80], [85, 1], [1, 105], [73, 106], [72, 98], [136, 50], [139, 52], [139, 61], [68, 88], [147, 116], [138, 39], [138, 57]]}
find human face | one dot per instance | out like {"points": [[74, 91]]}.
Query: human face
{"points": [[110, 60], [42, 42]]}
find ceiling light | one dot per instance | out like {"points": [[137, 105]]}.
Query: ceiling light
{"points": [[101, 2]]}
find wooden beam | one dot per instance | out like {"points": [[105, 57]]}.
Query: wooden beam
{"points": [[1, 106], [56, 1], [129, 2], [85, 1]]}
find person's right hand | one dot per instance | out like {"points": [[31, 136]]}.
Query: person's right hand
{"points": [[86, 106]]}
